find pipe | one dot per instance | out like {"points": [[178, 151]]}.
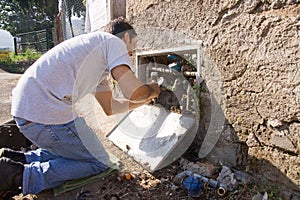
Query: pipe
{"points": [[221, 188], [221, 191]]}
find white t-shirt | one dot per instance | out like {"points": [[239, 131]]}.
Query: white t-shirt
{"points": [[49, 88]]}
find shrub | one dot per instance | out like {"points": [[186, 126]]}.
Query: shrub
{"points": [[28, 55], [19, 63]]}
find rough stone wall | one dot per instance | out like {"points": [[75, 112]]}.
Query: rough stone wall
{"points": [[255, 45]]}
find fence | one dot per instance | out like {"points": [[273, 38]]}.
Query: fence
{"points": [[40, 41], [70, 24], [73, 18]]}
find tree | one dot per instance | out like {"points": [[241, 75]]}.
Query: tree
{"points": [[18, 16]]}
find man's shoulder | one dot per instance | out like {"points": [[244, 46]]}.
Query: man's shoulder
{"points": [[100, 34]]}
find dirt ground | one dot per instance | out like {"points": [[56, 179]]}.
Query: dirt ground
{"points": [[132, 181], [7, 83], [142, 184]]}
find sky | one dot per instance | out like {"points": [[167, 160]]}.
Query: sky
{"points": [[6, 40]]}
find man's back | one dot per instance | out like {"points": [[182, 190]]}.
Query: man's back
{"points": [[66, 73]]}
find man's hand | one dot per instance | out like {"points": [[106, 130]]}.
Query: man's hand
{"points": [[155, 90], [135, 92], [133, 89]]}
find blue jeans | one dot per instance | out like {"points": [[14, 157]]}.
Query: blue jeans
{"points": [[67, 151]]}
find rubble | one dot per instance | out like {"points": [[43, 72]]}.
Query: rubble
{"points": [[227, 178], [201, 175], [259, 196], [275, 123]]}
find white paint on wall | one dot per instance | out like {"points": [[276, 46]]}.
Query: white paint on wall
{"points": [[6, 40]]}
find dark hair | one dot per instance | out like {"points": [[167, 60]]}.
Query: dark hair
{"points": [[118, 27]]}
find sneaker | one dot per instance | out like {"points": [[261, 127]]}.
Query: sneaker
{"points": [[12, 154], [11, 174]]}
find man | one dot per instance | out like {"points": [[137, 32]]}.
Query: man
{"points": [[43, 101]]}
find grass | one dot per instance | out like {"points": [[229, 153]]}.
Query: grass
{"points": [[28, 55], [19, 63]]}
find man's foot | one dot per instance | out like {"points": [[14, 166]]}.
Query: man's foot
{"points": [[8, 194], [11, 174], [17, 156]]}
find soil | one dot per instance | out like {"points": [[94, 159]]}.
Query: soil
{"points": [[7, 83], [133, 181]]}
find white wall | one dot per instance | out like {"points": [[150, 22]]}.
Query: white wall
{"points": [[6, 40]]}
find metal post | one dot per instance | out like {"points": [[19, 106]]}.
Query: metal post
{"points": [[15, 46], [47, 39]]}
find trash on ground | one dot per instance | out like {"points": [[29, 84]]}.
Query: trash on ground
{"points": [[194, 182], [259, 196], [199, 176]]}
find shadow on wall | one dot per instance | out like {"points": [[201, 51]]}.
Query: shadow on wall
{"points": [[228, 150]]}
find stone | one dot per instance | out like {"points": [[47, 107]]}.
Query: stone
{"points": [[283, 142], [275, 123], [252, 141]]}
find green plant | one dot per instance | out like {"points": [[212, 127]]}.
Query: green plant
{"points": [[28, 55], [19, 63], [9, 66]]}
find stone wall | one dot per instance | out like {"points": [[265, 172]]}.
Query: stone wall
{"points": [[254, 46]]}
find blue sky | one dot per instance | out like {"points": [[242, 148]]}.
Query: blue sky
{"points": [[6, 40]]}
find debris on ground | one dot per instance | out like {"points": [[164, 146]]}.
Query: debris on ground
{"points": [[199, 176], [259, 196]]}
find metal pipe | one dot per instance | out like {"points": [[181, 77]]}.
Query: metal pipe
{"points": [[221, 191], [221, 188]]}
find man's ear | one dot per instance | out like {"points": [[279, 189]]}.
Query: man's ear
{"points": [[127, 37]]}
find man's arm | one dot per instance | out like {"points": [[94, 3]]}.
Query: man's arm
{"points": [[135, 92], [111, 106], [133, 89]]}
